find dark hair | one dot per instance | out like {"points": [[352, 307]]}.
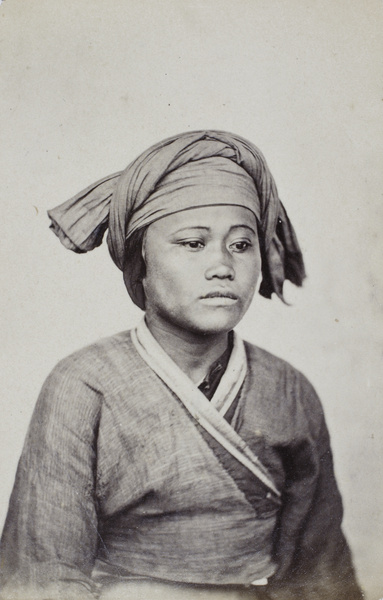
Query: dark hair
{"points": [[135, 267]]}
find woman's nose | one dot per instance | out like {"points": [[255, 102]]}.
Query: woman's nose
{"points": [[220, 266]]}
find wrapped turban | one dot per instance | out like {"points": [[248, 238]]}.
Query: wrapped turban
{"points": [[177, 174]]}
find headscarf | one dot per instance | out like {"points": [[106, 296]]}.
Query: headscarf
{"points": [[130, 200]]}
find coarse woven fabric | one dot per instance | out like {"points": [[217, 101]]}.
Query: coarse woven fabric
{"points": [[129, 200], [117, 480], [208, 414], [204, 182]]}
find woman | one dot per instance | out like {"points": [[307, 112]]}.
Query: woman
{"points": [[176, 460]]}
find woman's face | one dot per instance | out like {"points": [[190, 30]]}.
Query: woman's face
{"points": [[202, 268]]}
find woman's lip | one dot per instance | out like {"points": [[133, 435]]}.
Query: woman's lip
{"points": [[220, 295], [220, 300]]}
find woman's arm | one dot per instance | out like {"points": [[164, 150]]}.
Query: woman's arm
{"points": [[50, 536], [314, 557]]}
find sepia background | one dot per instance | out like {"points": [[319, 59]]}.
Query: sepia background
{"points": [[89, 84]]}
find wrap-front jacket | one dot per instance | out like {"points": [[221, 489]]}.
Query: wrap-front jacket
{"points": [[118, 481]]}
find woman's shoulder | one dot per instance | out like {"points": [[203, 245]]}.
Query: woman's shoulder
{"points": [[100, 348], [97, 360], [77, 386], [282, 379], [268, 361]]}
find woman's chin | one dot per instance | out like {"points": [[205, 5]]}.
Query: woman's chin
{"points": [[196, 323], [213, 325]]}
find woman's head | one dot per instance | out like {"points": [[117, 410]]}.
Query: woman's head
{"points": [[193, 170], [198, 197]]}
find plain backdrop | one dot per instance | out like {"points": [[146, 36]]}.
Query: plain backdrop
{"points": [[88, 84]]}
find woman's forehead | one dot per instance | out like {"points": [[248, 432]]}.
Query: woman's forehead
{"points": [[216, 217]]}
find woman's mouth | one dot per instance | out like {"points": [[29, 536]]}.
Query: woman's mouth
{"points": [[219, 299]]}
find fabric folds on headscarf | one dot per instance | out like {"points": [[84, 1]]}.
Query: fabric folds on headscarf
{"points": [[131, 199], [204, 182]]}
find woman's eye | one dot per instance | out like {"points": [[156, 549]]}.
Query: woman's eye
{"points": [[193, 244], [240, 246]]}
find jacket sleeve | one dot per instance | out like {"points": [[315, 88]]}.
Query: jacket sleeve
{"points": [[313, 556], [50, 536]]}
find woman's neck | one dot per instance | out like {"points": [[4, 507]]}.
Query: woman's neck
{"points": [[194, 353]]}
